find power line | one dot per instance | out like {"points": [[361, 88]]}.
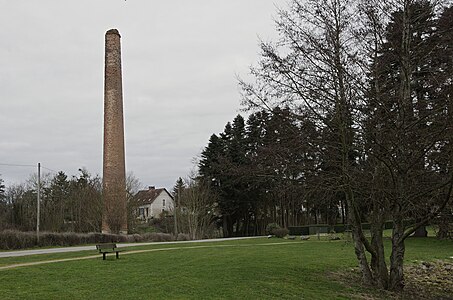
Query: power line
{"points": [[24, 165], [49, 169], [17, 165]]}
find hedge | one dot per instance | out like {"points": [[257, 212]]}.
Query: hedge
{"points": [[13, 239], [338, 228]]}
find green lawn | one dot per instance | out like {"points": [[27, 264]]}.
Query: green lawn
{"points": [[246, 269]]}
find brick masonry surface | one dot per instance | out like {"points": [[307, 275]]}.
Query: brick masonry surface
{"points": [[114, 218]]}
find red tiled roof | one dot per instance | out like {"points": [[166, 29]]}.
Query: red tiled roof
{"points": [[149, 195]]}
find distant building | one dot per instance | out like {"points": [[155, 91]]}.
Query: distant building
{"points": [[153, 202]]}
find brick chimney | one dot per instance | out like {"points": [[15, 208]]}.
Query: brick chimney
{"points": [[114, 219]]}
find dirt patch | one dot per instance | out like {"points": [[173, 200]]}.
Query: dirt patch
{"points": [[424, 280], [430, 280]]}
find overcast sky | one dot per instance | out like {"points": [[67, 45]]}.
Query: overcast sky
{"points": [[180, 60]]}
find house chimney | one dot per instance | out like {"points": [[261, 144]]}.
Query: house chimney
{"points": [[152, 187]]}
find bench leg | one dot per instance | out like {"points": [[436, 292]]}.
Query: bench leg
{"points": [[117, 255], [103, 256]]}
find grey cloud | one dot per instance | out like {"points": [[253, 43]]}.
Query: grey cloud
{"points": [[179, 64]]}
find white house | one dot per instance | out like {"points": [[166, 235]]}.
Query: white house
{"points": [[153, 202]]}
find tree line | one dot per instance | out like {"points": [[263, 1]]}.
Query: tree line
{"points": [[260, 169], [67, 204], [351, 118]]}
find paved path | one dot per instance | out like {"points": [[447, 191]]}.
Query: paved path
{"points": [[85, 248]]}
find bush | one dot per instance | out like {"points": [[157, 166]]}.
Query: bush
{"points": [[157, 237], [271, 227], [318, 228], [183, 237], [299, 230], [135, 238], [339, 228], [13, 239], [281, 232]]}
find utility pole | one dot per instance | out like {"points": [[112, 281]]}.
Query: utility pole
{"points": [[174, 213], [39, 201]]}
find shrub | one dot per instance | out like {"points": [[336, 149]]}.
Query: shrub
{"points": [[157, 237], [183, 237], [136, 238], [271, 227], [13, 239], [281, 232], [299, 230], [50, 239], [339, 228], [72, 239]]}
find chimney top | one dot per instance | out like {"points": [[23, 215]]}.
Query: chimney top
{"points": [[113, 31], [152, 187]]}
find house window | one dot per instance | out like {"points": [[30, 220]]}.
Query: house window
{"points": [[147, 211], [163, 202], [141, 212]]}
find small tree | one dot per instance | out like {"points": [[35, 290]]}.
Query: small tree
{"points": [[133, 185], [198, 208]]}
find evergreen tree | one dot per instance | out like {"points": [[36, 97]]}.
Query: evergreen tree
{"points": [[178, 190], [383, 132], [55, 203], [2, 190], [3, 205]]}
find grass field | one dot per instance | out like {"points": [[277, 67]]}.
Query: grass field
{"points": [[245, 269]]}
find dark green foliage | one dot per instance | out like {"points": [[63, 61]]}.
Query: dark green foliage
{"points": [[178, 190], [298, 230], [221, 167], [375, 78], [55, 203], [258, 170], [3, 205], [337, 228], [2, 190]]}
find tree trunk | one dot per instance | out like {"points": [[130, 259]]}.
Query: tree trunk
{"points": [[378, 264], [343, 219], [396, 259], [359, 249], [357, 236], [444, 226]]}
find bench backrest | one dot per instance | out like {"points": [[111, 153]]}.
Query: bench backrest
{"points": [[105, 246]]}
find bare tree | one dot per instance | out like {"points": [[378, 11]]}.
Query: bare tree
{"points": [[133, 185], [366, 74], [197, 208]]}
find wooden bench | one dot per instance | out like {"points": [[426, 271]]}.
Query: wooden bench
{"points": [[107, 248]]}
